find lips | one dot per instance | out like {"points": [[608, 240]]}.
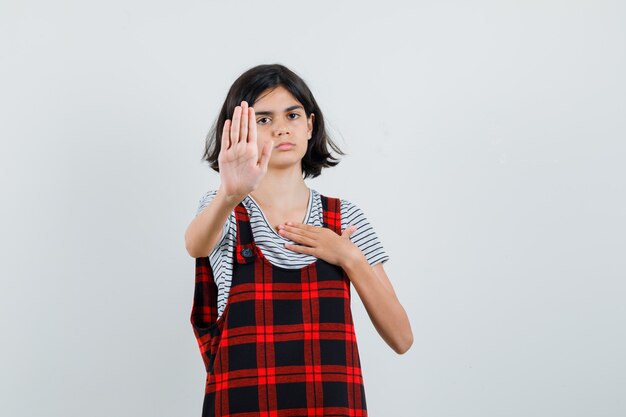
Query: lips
{"points": [[285, 145]]}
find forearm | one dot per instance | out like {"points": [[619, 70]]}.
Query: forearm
{"points": [[205, 230], [382, 304]]}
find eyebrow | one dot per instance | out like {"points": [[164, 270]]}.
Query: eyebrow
{"points": [[269, 113]]}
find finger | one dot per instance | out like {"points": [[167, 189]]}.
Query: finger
{"points": [[244, 123], [303, 226], [225, 135], [298, 228], [235, 124], [265, 155], [349, 231], [306, 227], [252, 127], [297, 237], [300, 249]]}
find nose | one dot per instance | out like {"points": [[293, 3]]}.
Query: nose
{"points": [[281, 129]]}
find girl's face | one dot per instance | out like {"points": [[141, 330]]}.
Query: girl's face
{"points": [[281, 118]]}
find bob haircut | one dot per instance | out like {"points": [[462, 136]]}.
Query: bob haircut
{"points": [[249, 87]]}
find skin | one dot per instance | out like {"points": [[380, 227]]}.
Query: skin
{"points": [[251, 163]]}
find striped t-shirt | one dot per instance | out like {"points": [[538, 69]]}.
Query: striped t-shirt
{"points": [[272, 244]]}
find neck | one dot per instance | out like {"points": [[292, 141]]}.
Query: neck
{"points": [[283, 189]]}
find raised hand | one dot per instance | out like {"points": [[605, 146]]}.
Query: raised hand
{"points": [[240, 167]]}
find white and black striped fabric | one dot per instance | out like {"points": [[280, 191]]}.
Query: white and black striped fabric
{"points": [[272, 244]]}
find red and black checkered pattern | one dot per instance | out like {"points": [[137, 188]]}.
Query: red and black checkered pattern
{"points": [[285, 344]]}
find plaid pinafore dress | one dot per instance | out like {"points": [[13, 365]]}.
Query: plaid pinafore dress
{"points": [[285, 343]]}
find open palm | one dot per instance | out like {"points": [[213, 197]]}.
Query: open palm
{"points": [[240, 168]]}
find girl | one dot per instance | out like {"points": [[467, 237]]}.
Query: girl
{"points": [[275, 261]]}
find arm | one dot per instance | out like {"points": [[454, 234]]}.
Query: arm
{"points": [[240, 171], [205, 230], [382, 304], [372, 283]]}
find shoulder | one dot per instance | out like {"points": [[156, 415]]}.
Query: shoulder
{"points": [[365, 236], [205, 200], [319, 198], [209, 195], [351, 211], [347, 206]]}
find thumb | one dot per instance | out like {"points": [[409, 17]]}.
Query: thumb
{"points": [[265, 154], [348, 231]]}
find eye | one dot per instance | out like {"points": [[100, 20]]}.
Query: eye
{"points": [[262, 118], [296, 114]]}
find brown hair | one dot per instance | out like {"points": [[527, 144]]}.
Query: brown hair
{"points": [[248, 87]]}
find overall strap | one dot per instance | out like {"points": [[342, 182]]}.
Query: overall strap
{"points": [[332, 213], [245, 249]]}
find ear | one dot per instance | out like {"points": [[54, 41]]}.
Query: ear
{"points": [[310, 125]]}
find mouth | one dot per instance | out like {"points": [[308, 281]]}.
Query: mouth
{"points": [[285, 145]]}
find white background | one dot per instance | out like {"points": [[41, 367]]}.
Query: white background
{"points": [[486, 145]]}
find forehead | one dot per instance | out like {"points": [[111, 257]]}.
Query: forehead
{"points": [[275, 99]]}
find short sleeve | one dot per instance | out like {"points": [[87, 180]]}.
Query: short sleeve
{"points": [[365, 237], [204, 202]]}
